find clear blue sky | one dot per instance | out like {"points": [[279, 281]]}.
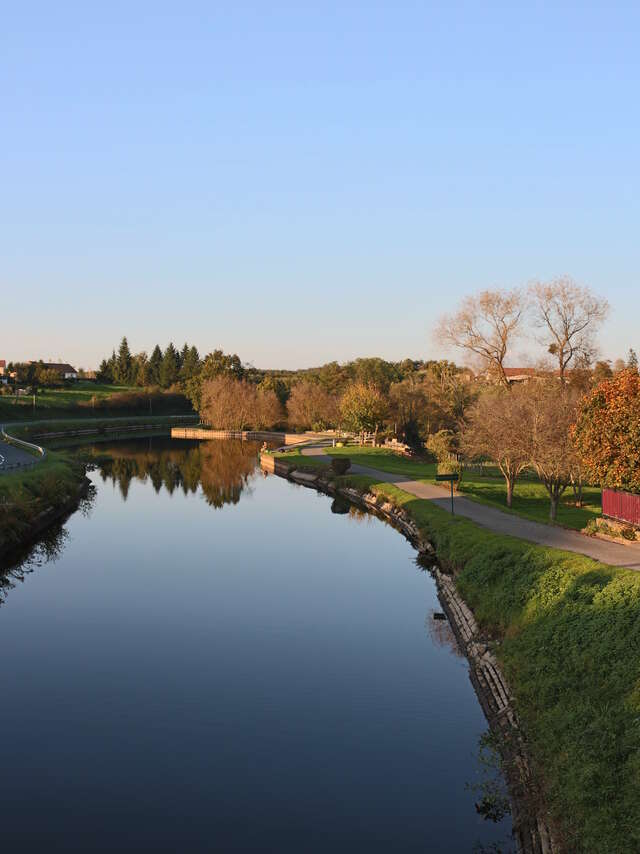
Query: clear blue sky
{"points": [[300, 182]]}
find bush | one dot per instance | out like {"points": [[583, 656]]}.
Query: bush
{"points": [[340, 465]]}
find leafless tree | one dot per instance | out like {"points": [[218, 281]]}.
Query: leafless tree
{"points": [[552, 410], [485, 325], [310, 406], [495, 430], [232, 404], [569, 316]]}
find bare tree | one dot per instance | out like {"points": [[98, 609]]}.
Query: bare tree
{"points": [[485, 326], [310, 406], [570, 316], [495, 429], [552, 410], [232, 404]]}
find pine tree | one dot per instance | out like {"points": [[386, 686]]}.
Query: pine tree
{"points": [[190, 364], [124, 364], [632, 361], [183, 355], [169, 367], [155, 363]]}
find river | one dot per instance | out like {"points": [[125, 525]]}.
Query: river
{"points": [[206, 659]]}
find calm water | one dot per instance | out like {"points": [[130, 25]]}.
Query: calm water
{"points": [[211, 660]]}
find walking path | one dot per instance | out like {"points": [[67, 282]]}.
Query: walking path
{"points": [[10, 456], [614, 554]]}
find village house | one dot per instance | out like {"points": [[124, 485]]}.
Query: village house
{"points": [[64, 370]]}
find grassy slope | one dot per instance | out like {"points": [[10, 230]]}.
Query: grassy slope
{"points": [[24, 494], [64, 402], [569, 631], [530, 497]]}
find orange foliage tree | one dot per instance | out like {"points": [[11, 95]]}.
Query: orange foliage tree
{"points": [[607, 432]]}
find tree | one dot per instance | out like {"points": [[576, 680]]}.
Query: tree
{"points": [[269, 410], [607, 431], [363, 408], [169, 367], [190, 364], [311, 407], [602, 371], [214, 365], [495, 429], [155, 363], [123, 366], [105, 373], [551, 412], [232, 404], [632, 360], [485, 326], [569, 316], [410, 408]]}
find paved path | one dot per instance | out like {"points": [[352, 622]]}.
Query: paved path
{"points": [[9, 456], [507, 523]]}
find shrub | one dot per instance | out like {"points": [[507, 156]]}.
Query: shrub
{"points": [[340, 465]]}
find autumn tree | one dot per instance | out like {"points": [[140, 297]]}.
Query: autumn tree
{"points": [[236, 404], [569, 316], [312, 407], [363, 408], [495, 430], [485, 326], [551, 412], [607, 431], [411, 410]]}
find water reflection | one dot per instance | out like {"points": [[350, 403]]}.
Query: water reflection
{"points": [[222, 469]]}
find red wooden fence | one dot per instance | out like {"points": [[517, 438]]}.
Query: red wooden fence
{"points": [[623, 506]]}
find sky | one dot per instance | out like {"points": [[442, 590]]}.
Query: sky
{"points": [[302, 182]]}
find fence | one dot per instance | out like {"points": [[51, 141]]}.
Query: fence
{"points": [[621, 506], [36, 451]]}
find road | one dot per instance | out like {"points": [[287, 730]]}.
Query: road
{"points": [[9, 456], [495, 520]]}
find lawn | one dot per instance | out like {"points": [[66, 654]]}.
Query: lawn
{"points": [[569, 642], [530, 498]]}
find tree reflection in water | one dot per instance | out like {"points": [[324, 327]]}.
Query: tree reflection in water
{"points": [[222, 469]]}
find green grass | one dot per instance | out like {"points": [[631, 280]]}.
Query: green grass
{"points": [[385, 460], [32, 429], [530, 499], [25, 493], [296, 456], [569, 641]]}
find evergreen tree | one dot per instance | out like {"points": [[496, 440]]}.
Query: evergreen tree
{"points": [[632, 361], [105, 373], [155, 363], [169, 367], [190, 364], [183, 355], [124, 364]]}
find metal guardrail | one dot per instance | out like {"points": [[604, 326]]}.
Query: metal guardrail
{"points": [[39, 452]]}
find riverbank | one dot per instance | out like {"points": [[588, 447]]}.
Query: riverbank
{"points": [[565, 632], [33, 499]]}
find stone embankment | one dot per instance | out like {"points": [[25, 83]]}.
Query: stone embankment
{"points": [[530, 827]]}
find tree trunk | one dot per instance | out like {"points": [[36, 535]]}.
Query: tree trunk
{"points": [[510, 485], [553, 510]]}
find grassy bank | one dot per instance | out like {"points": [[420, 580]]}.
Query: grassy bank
{"points": [[567, 632], [88, 399], [530, 499], [26, 494], [33, 429]]}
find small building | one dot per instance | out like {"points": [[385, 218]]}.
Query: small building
{"points": [[64, 370], [3, 367]]}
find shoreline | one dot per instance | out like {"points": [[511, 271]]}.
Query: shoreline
{"points": [[531, 830]]}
